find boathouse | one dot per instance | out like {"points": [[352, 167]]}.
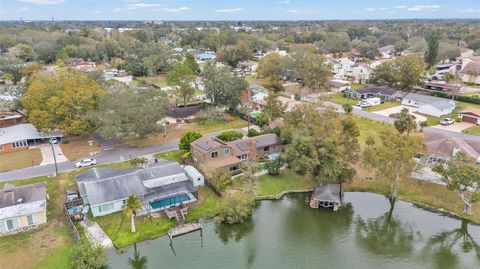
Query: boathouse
{"points": [[328, 196]]}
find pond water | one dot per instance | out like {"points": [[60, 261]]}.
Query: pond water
{"points": [[289, 234]]}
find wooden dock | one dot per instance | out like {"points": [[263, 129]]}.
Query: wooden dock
{"points": [[184, 229]]}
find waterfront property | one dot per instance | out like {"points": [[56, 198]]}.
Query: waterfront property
{"points": [[21, 136], [213, 153], [328, 196], [429, 105], [159, 186], [22, 207], [442, 148]]}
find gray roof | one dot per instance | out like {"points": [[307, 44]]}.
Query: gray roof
{"points": [[437, 102], [102, 185], [10, 194], [267, 140], [376, 90], [327, 192], [23, 132]]}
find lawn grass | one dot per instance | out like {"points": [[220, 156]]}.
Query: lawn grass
{"points": [[206, 207], [78, 148], [158, 80], [356, 86], [287, 180], [341, 100], [175, 132], [120, 233], [474, 130], [20, 159], [173, 155], [370, 128]]}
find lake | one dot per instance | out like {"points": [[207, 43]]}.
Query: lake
{"points": [[288, 234]]}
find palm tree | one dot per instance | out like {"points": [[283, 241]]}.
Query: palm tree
{"points": [[130, 208], [137, 262]]}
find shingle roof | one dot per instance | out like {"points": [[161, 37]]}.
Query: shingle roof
{"points": [[471, 67], [183, 112], [443, 146], [23, 132], [205, 143], [472, 110], [376, 90], [266, 140], [11, 194], [437, 102], [327, 192]]}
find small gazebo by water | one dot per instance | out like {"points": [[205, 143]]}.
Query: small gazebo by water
{"points": [[328, 196]]}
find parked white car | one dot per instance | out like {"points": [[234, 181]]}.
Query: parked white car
{"points": [[447, 121], [85, 163], [364, 104]]}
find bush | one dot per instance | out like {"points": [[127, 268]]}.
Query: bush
{"points": [[230, 136], [273, 166], [209, 115], [187, 139], [186, 154], [88, 256], [252, 132], [221, 179], [235, 208], [140, 161]]}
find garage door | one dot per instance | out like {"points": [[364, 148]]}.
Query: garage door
{"points": [[470, 119]]}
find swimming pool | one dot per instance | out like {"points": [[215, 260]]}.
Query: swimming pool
{"points": [[166, 202]]}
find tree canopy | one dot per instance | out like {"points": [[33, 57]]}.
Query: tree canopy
{"points": [[222, 88], [402, 73]]}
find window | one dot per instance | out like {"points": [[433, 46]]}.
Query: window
{"points": [[105, 207], [3, 227], [226, 151], [11, 224], [20, 144], [214, 154], [266, 148], [242, 157], [234, 168], [32, 219]]}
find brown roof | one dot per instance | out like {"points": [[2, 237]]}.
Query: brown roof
{"points": [[471, 67], [223, 162], [443, 146], [471, 110]]}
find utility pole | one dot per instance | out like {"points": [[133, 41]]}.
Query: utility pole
{"points": [[54, 157]]}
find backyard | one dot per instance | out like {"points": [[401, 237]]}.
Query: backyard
{"points": [[20, 159]]}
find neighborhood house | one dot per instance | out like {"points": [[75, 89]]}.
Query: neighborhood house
{"points": [[22, 207], [429, 105], [470, 114], [441, 148], [21, 136], [160, 186], [384, 93], [213, 153]]}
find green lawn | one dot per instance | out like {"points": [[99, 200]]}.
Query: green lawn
{"points": [[475, 130], [158, 80], [341, 100], [369, 127], [20, 159], [206, 207], [173, 155], [358, 86], [382, 106], [121, 235], [287, 180]]}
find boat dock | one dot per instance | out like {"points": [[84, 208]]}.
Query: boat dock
{"points": [[184, 229]]}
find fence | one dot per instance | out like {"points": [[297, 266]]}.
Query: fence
{"points": [[73, 228]]}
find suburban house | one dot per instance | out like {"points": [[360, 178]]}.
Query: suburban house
{"points": [[212, 153], [341, 67], [182, 114], [159, 186], [384, 93], [8, 119], [206, 56], [386, 52], [442, 148], [361, 73], [338, 85], [429, 105], [21, 136], [470, 72], [22, 207], [470, 114]]}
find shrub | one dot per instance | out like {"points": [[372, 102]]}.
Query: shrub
{"points": [[88, 256], [252, 132], [186, 154], [140, 161], [187, 139], [235, 208], [273, 166], [230, 136], [221, 179]]}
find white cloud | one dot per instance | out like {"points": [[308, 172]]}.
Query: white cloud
{"points": [[230, 10], [284, 2], [299, 11], [470, 10], [370, 9], [116, 10], [174, 10], [400, 7], [43, 2], [141, 5], [424, 8], [22, 9], [98, 12]]}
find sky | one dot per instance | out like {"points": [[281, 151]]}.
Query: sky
{"points": [[236, 9]]}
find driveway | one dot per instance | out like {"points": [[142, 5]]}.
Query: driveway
{"points": [[396, 109], [456, 127], [47, 154]]}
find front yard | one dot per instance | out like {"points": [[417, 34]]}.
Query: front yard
{"points": [[77, 147], [341, 100], [20, 159], [474, 130], [173, 155]]}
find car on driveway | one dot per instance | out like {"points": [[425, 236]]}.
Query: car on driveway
{"points": [[447, 121], [85, 163], [364, 104]]}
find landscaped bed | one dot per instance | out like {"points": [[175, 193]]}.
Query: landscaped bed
{"points": [[20, 159]]}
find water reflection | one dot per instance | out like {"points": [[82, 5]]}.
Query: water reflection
{"points": [[442, 245], [138, 262], [234, 232], [385, 235]]}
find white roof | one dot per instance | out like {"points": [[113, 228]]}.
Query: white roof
{"points": [[192, 172], [23, 209], [22, 132], [260, 96]]}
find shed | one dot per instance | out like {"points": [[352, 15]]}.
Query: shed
{"points": [[328, 196], [196, 177]]}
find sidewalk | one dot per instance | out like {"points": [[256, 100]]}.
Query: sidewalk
{"points": [[96, 234]]}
